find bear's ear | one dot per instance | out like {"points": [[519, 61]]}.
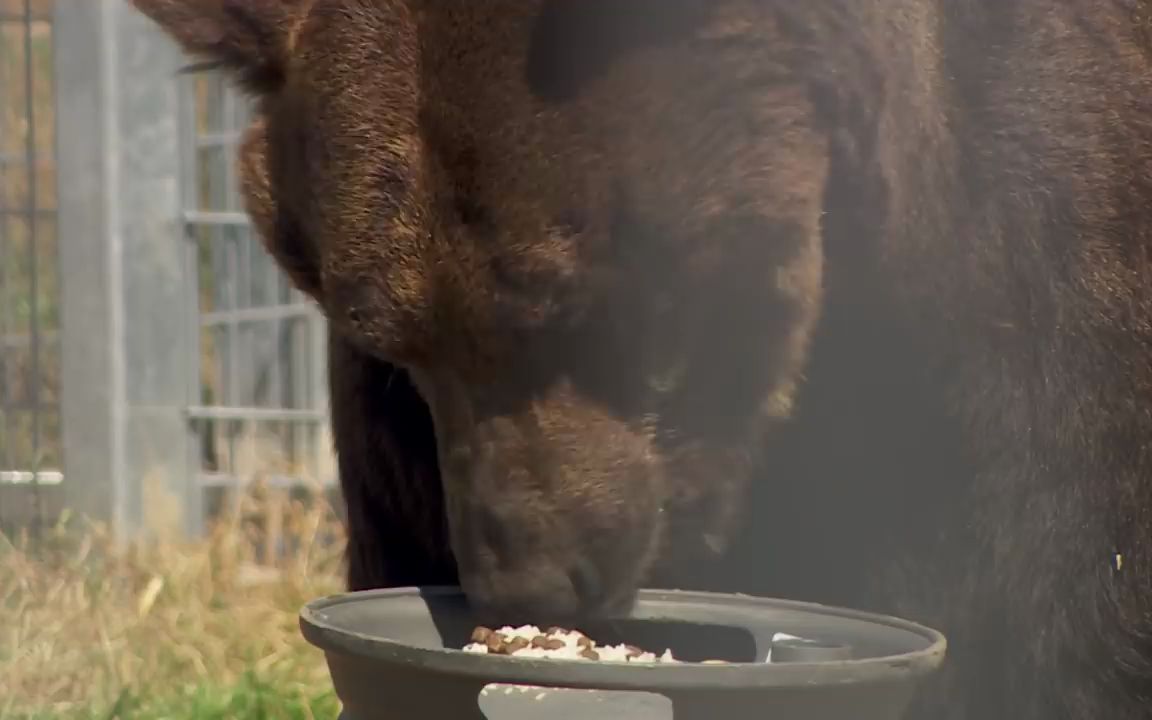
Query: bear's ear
{"points": [[249, 38]]}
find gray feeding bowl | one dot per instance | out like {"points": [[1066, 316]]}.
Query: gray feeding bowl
{"points": [[395, 654]]}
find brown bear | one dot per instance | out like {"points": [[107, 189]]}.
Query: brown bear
{"points": [[840, 300]]}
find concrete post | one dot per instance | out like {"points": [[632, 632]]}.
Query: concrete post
{"points": [[125, 288]]}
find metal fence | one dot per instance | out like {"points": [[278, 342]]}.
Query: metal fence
{"points": [[260, 393], [153, 359], [30, 446]]}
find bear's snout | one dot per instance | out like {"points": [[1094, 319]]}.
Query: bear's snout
{"points": [[553, 506]]}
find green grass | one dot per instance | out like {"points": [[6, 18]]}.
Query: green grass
{"points": [[252, 698], [164, 630], [154, 631]]}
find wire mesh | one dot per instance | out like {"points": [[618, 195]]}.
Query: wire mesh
{"points": [[30, 442], [260, 406]]}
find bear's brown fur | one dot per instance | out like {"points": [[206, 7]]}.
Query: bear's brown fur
{"points": [[590, 262]]}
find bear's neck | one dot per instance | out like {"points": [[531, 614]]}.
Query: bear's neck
{"points": [[880, 76]]}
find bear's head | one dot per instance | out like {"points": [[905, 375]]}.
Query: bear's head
{"points": [[587, 230]]}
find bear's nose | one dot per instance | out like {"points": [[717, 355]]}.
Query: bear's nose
{"points": [[513, 577], [546, 594]]}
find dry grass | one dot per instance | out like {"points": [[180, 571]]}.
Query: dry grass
{"points": [[166, 630]]}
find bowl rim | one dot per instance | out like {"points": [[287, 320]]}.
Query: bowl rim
{"points": [[654, 677]]}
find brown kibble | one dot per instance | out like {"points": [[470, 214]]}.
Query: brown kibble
{"points": [[481, 634], [496, 643], [546, 643], [499, 643]]}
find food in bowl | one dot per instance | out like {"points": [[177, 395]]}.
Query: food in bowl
{"points": [[529, 641]]}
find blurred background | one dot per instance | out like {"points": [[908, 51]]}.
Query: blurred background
{"points": [[167, 491]]}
